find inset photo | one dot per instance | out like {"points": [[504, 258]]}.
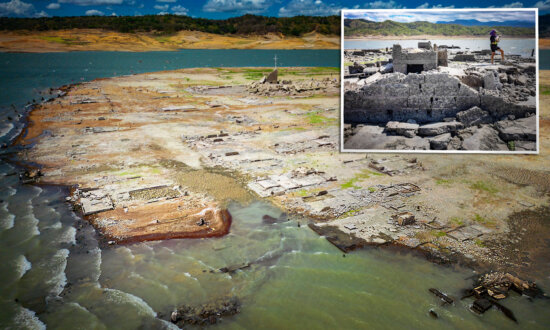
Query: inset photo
{"points": [[440, 80]]}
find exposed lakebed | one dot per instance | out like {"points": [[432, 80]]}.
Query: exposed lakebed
{"points": [[295, 277]]}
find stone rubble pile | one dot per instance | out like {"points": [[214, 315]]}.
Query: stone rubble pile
{"points": [[486, 109], [287, 87]]}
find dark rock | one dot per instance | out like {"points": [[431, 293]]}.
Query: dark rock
{"points": [[481, 305], [206, 314], [446, 299], [473, 81], [404, 219], [483, 138], [269, 219], [433, 314], [272, 77], [356, 68], [521, 129], [440, 142], [473, 116]]}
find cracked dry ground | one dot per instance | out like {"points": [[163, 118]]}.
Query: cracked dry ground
{"points": [[158, 152]]}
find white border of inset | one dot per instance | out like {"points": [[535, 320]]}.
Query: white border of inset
{"points": [[342, 45]]}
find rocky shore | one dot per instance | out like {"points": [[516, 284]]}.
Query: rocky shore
{"points": [[157, 154], [450, 103]]}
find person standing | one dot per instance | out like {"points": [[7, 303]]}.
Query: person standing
{"points": [[494, 46]]}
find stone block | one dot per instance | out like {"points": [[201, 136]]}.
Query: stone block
{"points": [[473, 116], [521, 129], [439, 128], [440, 142]]}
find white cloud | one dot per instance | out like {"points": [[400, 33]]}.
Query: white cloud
{"points": [[16, 7], [162, 7], [170, 1], [514, 5], [92, 2], [444, 16], [379, 4], [249, 6], [428, 6], [53, 5], [543, 5], [94, 12], [41, 14], [180, 10], [308, 8], [163, 13], [113, 14]]}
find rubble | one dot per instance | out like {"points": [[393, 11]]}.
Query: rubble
{"points": [[490, 288], [440, 100]]}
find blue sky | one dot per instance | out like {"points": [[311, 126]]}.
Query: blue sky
{"points": [[231, 8], [433, 16]]}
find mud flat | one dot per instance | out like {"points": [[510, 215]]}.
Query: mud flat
{"points": [[158, 155]]}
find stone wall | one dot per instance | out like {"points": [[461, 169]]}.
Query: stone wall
{"points": [[427, 58], [424, 97], [427, 97]]}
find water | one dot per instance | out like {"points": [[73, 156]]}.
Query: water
{"points": [[53, 273], [521, 47]]}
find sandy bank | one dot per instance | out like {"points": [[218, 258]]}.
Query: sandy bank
{"points": [[100, 40]]}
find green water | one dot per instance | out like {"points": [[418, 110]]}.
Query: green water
{"points": [[63, 280], [53, 273]]}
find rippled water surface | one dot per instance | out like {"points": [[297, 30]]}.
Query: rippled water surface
{"points": [[53, 274]]}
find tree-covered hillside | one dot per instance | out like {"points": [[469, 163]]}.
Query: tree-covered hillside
{"points": [[167, 24], [361, 27]]}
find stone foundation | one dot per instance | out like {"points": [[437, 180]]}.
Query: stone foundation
{"points": [[425, 97]]}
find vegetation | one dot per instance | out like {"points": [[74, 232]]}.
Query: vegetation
{"points": [[484, 186], [359, 27], [259, 25], [169, 24]]}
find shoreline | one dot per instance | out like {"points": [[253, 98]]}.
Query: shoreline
{"points": [[103, 40], [426, 37], [432, 256]]}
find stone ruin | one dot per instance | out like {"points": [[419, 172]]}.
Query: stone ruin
{"points": [[413, 60], [272, 78], [425, 97]]}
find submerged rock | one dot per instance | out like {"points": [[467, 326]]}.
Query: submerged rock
{"points": [[206, 314]]}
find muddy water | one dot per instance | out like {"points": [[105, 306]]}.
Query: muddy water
{"points": [[54, 275]]}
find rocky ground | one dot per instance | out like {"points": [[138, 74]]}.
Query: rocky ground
{"points": [[103, 40], [469, 107], [158, 155]]}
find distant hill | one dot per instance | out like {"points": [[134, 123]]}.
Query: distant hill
{"points": [[169, 24], [474, 22], [362, 27]]}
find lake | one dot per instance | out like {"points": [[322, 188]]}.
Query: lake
{"points": [[299, 281], [521, 47]]}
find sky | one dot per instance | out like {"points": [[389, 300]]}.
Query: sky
{"points": [[433, 16], [220, 9]]}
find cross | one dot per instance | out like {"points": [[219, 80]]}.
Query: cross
{"points": [[275, 58]]}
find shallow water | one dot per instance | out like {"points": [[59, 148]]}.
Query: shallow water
{"points": [[54, 274]]}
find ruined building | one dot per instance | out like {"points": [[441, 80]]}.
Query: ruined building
{"points": [[413, 60], [425, 97]]}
